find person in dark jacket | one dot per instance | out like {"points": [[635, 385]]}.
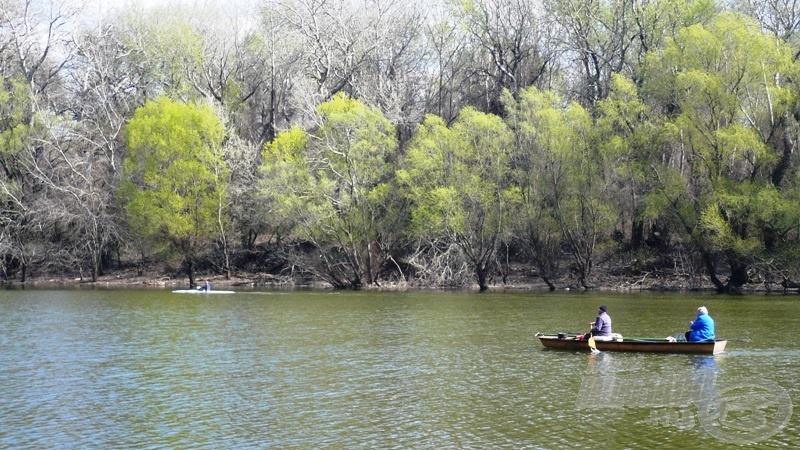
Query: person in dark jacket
{"points": [[601, 327]]}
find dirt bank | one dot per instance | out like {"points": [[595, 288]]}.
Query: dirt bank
{"points": [[517, 280]]}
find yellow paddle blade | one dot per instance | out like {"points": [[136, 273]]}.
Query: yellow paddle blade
{"points": [[592, 344]]}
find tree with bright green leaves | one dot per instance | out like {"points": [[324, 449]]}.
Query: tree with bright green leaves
{"points": [[15, 129], [334, 185], [651, 22], [562, 179], [18, 240], [730, 183], [630, 136], [174, 178], [535, 226], [457, 180]]}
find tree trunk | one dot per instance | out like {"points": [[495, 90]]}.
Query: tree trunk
{"points": [[784, 161], [550, 286], [712, 271], [582, 280], [190, 270], [505, 265], [96, 262], [583, 273], [637, 234], [371, 279], [227, 254], [480, 273], [738, 276], [142, 262]]}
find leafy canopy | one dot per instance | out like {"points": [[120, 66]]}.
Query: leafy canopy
{"points": [[174, 177], [458, 177]]}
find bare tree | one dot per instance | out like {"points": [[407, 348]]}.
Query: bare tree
{"points": [[38, 38], [394, 73], [34, 53], [512, 46], [271, 109], [597, 35], [335, 41], [446, 66], [780, 18], [244, 67], [78, 195]]}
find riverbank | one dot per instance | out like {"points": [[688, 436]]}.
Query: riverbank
{"points": [[516, 280]]}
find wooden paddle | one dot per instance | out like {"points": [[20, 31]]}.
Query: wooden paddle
{"points": [[592, 345]]}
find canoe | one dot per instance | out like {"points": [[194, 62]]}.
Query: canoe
{"points": [[567, 342], [198, 291]]}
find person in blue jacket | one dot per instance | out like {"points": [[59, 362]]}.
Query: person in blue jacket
{"points": [[702, 328]]}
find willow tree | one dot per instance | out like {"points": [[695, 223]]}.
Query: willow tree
{"points": [[334, 186], [20, 216], [457, 179], [731, 183], [560, 171], [535, 226], [174, 178], [631, 140]]}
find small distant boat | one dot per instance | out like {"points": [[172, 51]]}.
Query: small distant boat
{"points": [[563, 341], [200, 291]]}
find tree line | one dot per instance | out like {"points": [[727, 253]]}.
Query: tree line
{"points": [[428, 143]]}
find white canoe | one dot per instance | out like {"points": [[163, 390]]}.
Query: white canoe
{"points": [[198, 291]]}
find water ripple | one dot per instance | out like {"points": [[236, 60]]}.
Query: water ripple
{"points": [[148, 370]]}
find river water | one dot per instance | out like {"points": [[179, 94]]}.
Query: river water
{"points": [[318, 369]]}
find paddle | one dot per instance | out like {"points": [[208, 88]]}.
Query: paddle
{"points": [[592, 345]]}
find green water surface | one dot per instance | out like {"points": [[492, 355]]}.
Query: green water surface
{"points": [[324, 369]]}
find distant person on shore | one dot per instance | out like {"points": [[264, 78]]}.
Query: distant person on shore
{"points": [[600, 329], [206, 286], [702, 328]]}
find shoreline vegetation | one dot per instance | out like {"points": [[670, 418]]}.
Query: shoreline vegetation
{"points": [[398, 145], [517, 280]]}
